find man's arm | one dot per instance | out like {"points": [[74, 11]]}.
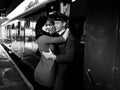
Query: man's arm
{"points": [[68, 56]]}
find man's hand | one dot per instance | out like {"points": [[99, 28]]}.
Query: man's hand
{"points": [[66, 33], [49, 55]]}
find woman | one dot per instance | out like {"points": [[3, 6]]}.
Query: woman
{"points": [[44, 72]]}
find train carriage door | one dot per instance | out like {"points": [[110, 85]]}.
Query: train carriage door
{"points": [[100, 46], [117, 68]]}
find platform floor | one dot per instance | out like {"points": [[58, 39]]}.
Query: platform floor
{"points": [[11, 77], [26, 52]]}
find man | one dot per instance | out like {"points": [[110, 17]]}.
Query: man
{"points": [[65, 56]]}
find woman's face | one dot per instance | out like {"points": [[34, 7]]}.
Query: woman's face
{"points": [[49, 27]]}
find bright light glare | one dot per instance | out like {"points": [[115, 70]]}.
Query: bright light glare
{"points": [[21, 8], [73, 0]]}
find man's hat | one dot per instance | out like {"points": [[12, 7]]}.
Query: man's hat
{"points": [[58, 16]]}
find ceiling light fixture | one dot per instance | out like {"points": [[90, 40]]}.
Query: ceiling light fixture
{"points": [[73, 0]]}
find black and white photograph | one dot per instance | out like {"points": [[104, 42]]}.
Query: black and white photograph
{"points": [[59, 45]]}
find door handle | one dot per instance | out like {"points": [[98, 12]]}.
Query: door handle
{"points": [[93, 80]]}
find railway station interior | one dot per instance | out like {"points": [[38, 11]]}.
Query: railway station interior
{"points": [[93, 23], [18, 49]]}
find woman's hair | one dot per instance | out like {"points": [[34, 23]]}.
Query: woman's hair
{"points": [[51, 20], [40, 23]]}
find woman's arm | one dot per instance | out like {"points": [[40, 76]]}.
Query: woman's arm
{"points": [[50, 39], [60, 39]]}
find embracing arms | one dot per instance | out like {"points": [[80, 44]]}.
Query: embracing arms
{"points": [[60, 39], [68, 56]]}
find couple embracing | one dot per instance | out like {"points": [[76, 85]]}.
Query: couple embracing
{"points": [[57, 47]]}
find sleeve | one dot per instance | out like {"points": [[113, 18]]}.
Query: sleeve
{"points": [[68, 56], [50, 39]]}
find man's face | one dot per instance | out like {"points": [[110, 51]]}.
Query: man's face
{"points": [[58, 25]]}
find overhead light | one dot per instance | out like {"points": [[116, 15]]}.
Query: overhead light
{"points": [[73, 0]]}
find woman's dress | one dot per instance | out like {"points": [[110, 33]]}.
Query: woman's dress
{"points": [[45, 70]]}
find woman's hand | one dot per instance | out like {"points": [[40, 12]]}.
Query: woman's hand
{"points": [[65, 35], [49, 55]]}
